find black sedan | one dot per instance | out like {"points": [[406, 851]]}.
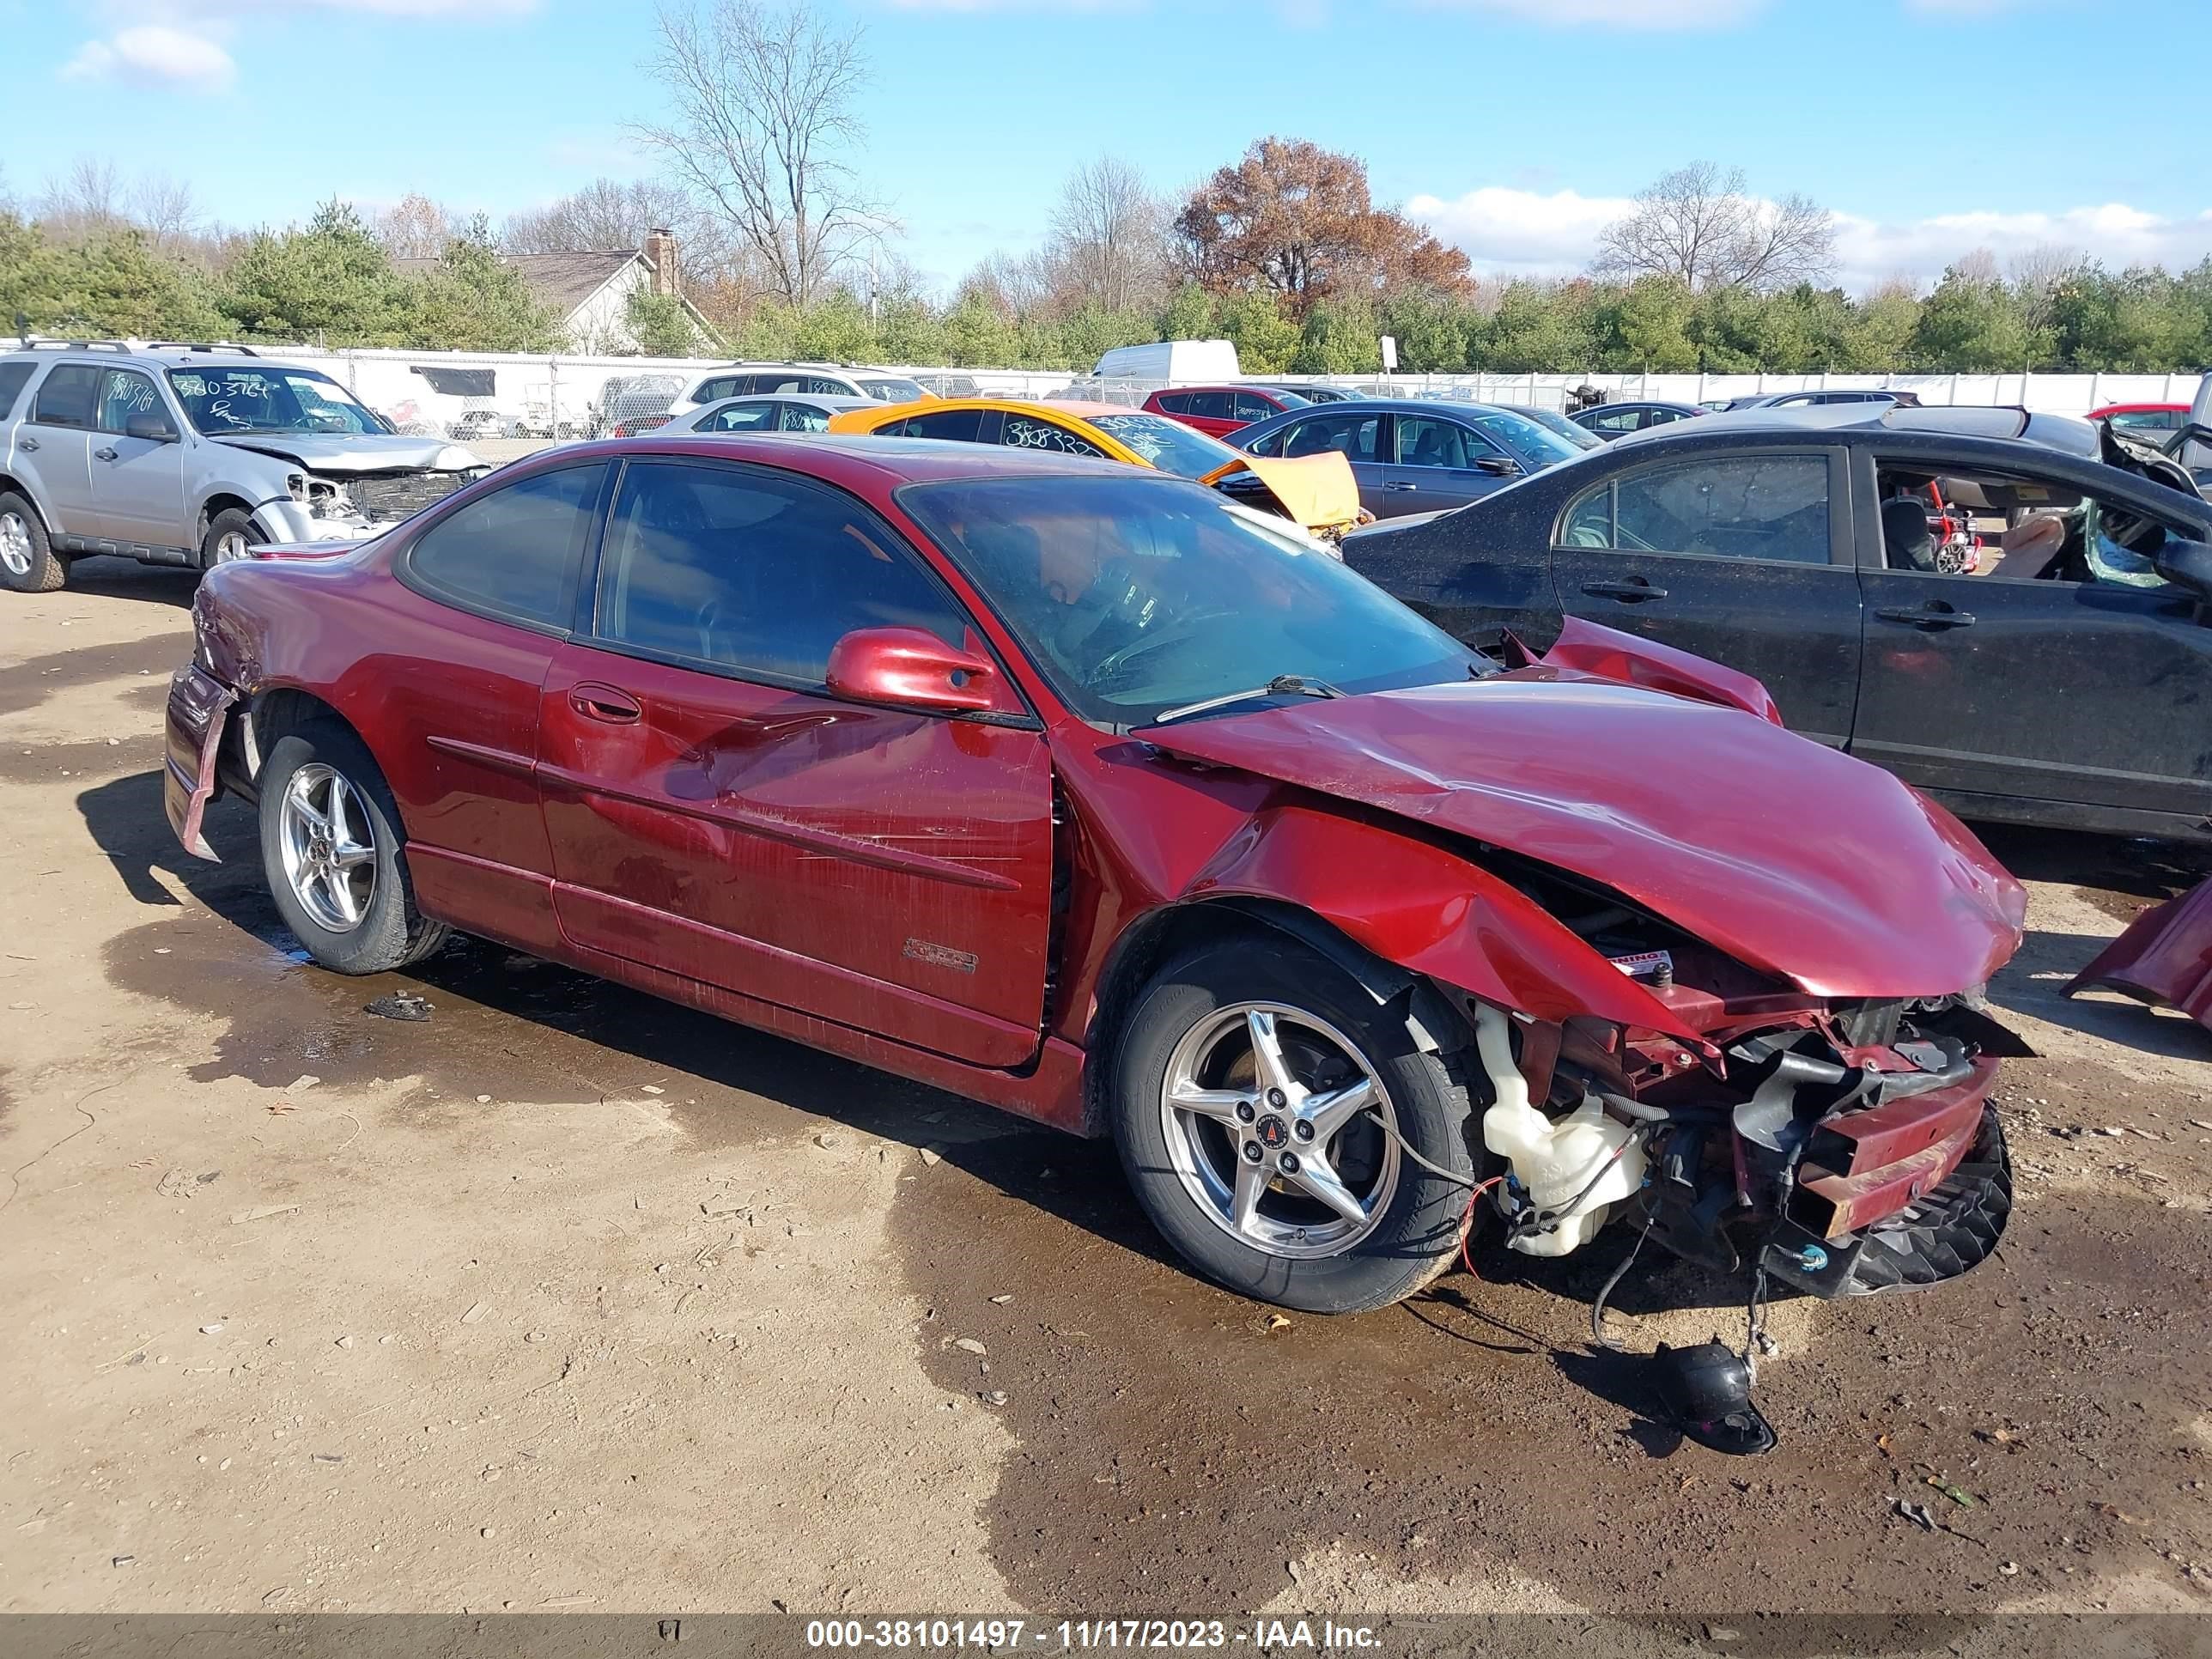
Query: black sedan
{"points": [[1411, 455], [1610, 421], [2066, 685]]}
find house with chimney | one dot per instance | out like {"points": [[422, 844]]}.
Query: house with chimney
{"points": [[588, 293]]}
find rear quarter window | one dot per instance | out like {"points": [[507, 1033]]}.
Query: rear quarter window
{"points": [[13, 377]]}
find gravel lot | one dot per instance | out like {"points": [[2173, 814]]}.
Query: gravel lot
{"points": [[570, 1298]]}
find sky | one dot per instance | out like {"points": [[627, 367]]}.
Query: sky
{"points": [[1516, 129]]}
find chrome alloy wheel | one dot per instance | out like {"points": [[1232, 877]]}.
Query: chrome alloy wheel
{"points": [[329, 848], [231, 546], [1269, 1117], [15, 543]]}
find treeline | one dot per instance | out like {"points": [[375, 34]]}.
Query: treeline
{"points": [[332, 283], [1117, 268]]}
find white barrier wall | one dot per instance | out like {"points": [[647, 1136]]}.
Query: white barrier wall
{"points": [[560, 396]]}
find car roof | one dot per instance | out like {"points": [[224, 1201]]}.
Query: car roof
{"points": [[161, 357], [835, 400], [1402, 405], [835, 455], [2137, 408]]}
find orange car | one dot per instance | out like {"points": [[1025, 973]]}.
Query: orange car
{"points": [[1316, 491]]}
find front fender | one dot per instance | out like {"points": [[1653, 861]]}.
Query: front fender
{"points": [[1431, 912]]}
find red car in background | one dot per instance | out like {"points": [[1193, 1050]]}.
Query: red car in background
{"points": [[2151, 420], [1077, 789], [1219, 410]]}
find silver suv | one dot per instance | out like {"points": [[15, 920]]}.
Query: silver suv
{"points": [[190, 455]]}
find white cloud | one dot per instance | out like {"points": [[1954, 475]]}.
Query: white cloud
{"points": [[1523, 233], [179, 43], [1869, 252], [152, 54]]}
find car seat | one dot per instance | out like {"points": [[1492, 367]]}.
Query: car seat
{"points": [[1905, 534]]}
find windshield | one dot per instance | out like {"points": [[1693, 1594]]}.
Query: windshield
{"points": [[221, 400], [1552, 421], [893, 390], [1133, 596], [1531, 445], [1167, 445]]}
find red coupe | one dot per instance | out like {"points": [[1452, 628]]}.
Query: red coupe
{"points": [[1218, 411], [1080, 790]]}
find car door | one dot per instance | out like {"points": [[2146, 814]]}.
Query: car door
{"points": [[1745, 559], [1442, 463], [138, 482], [53, 448], [1362, 438], [489, 590], [716, 814], [1211, 412], [2001, 693], [1249, 408]]}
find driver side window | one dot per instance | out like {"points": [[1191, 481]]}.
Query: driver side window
{"points": [[752, 574]]}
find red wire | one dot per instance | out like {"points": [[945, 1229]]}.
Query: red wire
{"points": [[1467, 1224]]}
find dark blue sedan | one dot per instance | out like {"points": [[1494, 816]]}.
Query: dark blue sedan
{"points": [[1413, 456]]}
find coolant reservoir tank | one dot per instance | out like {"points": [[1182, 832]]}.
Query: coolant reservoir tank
{"points": [[1554, 1159]]}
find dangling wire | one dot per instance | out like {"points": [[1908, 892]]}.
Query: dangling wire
{"points": [[1598, 1308]]}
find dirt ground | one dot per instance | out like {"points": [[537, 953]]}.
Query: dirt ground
{"points": [[568, 1298]]}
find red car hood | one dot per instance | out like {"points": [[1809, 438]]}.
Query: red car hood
{"points": [[1788, 856]]}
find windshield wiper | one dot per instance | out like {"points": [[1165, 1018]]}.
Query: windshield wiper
{"points": [[1281, 685]]}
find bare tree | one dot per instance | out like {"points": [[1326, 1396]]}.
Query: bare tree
{"points": [[416, 227], [615, 213], [1698, 225], [1108, 235], [2037, 276], [169, 212], [88, 199], [764, 106]]}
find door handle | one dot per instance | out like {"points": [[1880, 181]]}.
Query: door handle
{"points": [[604, 704], [26, 443], [1400, 486], [1634, 590], [1934, 614], [103, 453]]}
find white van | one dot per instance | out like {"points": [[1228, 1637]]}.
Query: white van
{"points": [[1172, 360]]}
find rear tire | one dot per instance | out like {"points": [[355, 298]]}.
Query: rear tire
{"points": [[334, 855], [29, 563], [1389, 1226]]}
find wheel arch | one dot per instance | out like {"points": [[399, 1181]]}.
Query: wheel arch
{"points": [[12, 485], [1433, 1023], [270, 713], [217, 500]]}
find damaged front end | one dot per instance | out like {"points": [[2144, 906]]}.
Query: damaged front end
{"points": [[1843, 1148]]}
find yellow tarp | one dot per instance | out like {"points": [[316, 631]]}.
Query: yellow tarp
{"points": [[1317, 491]]}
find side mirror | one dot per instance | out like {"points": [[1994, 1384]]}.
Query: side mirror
{"points": [[151, 425], [1502, 466], [2185, 564], [911, 667]]}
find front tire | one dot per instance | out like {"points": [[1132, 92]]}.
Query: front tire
{"points": [[29, 563], [230, 537], [334, 855], [1245, 1047]]}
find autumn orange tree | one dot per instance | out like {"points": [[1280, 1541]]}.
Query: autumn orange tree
{"points": [[1296, 220]]}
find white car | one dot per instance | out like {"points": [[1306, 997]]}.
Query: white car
{"points": [[789, 411]]}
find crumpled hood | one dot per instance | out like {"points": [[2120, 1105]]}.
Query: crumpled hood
{"points": [[1788, 855], [338, 451]]}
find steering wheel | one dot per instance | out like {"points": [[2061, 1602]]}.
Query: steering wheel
{"points": [[1113, 663]]}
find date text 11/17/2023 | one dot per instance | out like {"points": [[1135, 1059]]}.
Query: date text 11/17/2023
{"points": [[1071, 1635]]}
